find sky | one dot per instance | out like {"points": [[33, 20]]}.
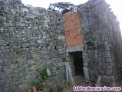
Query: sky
{"points": [[116, 5]]}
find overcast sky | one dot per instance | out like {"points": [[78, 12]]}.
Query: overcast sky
{"points": [[116, 5]]}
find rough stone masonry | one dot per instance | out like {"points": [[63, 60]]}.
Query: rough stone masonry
{"points": [[32, 37]]}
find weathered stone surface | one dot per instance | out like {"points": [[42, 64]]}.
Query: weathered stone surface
{"points": [[32, 37], [101, 35], [74, 48], [29, 40]]}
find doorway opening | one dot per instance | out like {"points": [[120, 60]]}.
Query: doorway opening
{"points": [[77, 59]]}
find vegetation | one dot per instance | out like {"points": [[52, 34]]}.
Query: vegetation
{"points": [[41, 77], [38, 85]]}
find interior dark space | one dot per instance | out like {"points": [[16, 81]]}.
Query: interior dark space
{"points": [[78, 62]]}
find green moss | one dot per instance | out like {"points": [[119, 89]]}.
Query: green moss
{"points": [[71, 57]]}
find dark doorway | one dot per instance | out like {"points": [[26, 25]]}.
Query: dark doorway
{"points": [[78, 62]]}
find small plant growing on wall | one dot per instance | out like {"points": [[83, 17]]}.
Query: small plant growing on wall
{"points": [[41, 77], [38, 85]]}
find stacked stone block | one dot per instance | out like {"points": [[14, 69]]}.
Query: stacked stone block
{"points": [[101, 39], [30, 38]]}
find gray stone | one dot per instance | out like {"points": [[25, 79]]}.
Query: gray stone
{"points": [[21, 87], [74, 48], [61, 37], [85, 64], [25, 9], [86, 74], [1, 68], [33, 37], [109, 72]]}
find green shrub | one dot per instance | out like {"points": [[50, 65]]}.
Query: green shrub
{"points": [[38, 85], [44, 74], [41, 76]]}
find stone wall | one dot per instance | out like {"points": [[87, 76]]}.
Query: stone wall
{"points": [[30, 38], [101, 39]]}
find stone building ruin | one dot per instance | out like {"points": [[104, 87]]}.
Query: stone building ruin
{"points": [[84, 43]]}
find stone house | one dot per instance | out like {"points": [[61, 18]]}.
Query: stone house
{"points": [[84, 43]]}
